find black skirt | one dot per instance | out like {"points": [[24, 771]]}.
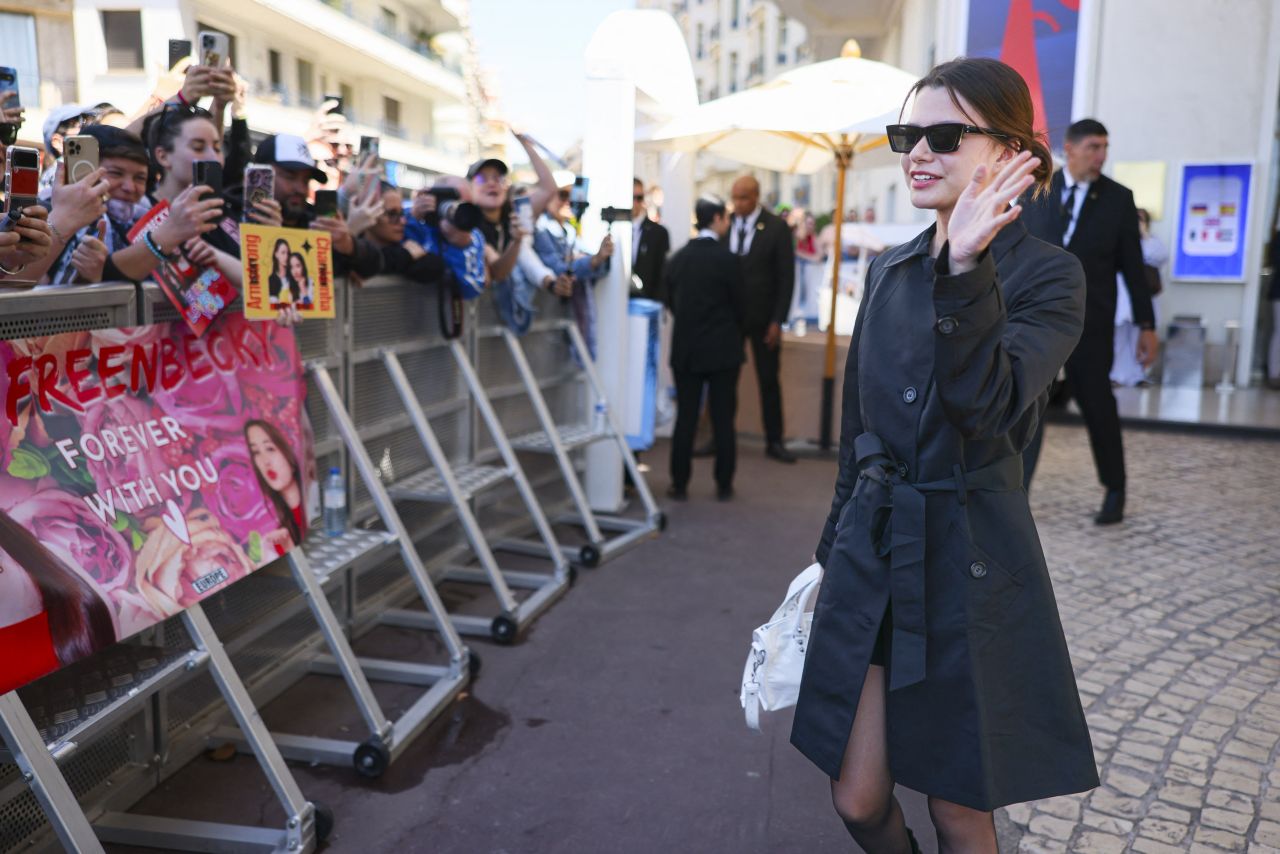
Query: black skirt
{"points": [[880, 652]]}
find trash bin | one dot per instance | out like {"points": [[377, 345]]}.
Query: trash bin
{"points": [[644, 316], [1184, 353]]}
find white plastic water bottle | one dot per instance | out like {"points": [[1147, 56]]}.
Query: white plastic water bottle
{"points": [[600, 423], [335, 504]]}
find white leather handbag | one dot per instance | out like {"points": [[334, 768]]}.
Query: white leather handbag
{"points": [[771, 679]]}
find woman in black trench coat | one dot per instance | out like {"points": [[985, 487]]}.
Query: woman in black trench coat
{"points": [[937, 659]]}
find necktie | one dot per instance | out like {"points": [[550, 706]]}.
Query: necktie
{"points": [[742, 237], [1068, 211]]}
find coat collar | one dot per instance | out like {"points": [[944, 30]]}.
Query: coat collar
{"points": [[1007, 238], [917, 247]]}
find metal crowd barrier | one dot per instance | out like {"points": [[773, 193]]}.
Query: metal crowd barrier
{"points": [[297, 617]]}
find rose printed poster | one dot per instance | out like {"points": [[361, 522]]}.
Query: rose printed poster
{"points": [[141, 470]]}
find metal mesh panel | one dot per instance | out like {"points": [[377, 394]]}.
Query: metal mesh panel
{"points": [[494, 364], [321, 424], [516, 416], [390, 312], [36, 327], [432, 373], [21, 818], [487, 310], [318, 338], [400, 454]]}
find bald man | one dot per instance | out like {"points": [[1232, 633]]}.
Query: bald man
{"points": [[764, 243]]}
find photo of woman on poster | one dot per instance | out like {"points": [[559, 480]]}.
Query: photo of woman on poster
{"points": [[299, 282], [280, 479], [47, 609], [278, 286]]}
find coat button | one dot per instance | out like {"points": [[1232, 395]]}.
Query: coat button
{"points": [[902, 470], [978, 569], [909, 394], [947, 325]]}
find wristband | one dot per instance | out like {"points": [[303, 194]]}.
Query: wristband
{"points": [[150, 243], [182, 99]]}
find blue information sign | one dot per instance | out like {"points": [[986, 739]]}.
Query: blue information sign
{"points": [[1213, 218]]}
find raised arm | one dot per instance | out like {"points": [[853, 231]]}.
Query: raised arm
{"points": [[546, 188], [992, 362]]}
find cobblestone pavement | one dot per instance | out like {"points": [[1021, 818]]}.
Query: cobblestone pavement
{"points": [[1172, 622]]}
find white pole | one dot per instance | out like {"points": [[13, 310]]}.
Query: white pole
{"points": [[608, 161]]}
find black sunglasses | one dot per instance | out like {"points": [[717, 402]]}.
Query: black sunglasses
{"points": [[943, 138]]}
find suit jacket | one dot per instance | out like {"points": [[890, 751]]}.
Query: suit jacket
{"points": [[706, 294], [1106, 240], [770, 267], [655, 243]]}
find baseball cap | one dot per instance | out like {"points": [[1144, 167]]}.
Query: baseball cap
{"points": [[488, 161], [59, 116], [289, 151]]}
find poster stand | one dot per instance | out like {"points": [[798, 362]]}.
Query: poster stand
{"points": [[560, 440], [456, 485], [319, 564], [39, 761]]}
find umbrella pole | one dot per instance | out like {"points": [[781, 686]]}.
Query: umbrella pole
{"points": [[829, 370]]}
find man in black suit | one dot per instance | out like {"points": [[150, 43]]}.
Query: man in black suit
{"points": [[1096, 220], [650, 244], [706, 294], [764, 243]]}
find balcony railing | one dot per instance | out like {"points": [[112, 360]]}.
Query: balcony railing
{"points": [[782, 57], [395, 129], [713, 93], [755, 69], [715, 32], [414, 42]]}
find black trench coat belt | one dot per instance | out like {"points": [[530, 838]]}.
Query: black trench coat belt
{"points": [[898, 531]]}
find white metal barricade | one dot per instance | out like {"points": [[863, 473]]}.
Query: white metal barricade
{"points": [[457, 485], [317, 565], [39, 757], [559, 440]]}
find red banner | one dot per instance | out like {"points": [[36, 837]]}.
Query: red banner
{"points": [[141, 470]]}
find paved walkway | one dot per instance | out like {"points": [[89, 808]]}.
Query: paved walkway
{"points": [[1172, 624], [614, 726]]}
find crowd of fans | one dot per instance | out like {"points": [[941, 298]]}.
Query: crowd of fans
{"points": [[464, 231]]}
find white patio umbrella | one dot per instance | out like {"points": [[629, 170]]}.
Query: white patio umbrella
{"points": [[799, 122]]}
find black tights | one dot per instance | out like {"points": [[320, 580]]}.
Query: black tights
{"points": [[863, 795]]}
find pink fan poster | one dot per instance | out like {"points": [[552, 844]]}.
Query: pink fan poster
{"points": [[141, 470]]}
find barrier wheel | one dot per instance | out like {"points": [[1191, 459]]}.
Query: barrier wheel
{"points": [[324, 820], [589, 556], [662, 521], [372, 758], [504, 629], [473, 665]]}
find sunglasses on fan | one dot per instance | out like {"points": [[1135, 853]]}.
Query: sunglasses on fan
{"points": [[943, 138]]}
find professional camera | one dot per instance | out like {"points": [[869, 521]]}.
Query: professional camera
{"points": [[463, 216]]}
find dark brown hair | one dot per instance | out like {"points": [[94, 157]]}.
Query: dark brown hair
{"points": [[79, 621], [1002, 101], [283, 512]]}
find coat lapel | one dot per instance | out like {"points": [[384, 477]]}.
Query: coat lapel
{"points": [[757, 234], [1090, 202]]}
